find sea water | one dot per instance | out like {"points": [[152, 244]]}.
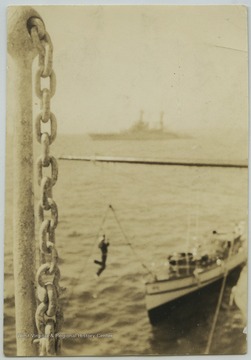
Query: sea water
{"points": [[159, 209]]}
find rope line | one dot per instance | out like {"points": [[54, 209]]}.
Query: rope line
{"points": [[110, 207], [91, 252], [216, 314], [128, 242]]}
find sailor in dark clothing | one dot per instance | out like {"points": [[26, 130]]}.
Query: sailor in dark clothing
{"points": [[103, 245]]}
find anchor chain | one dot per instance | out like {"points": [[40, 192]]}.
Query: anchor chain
{"points": [[49, 315]]}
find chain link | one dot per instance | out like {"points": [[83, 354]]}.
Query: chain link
{"points": [[54, 169], [53, 131], [49, 316]]}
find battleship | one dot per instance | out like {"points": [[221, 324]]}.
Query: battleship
{"points": [[140, 130]]}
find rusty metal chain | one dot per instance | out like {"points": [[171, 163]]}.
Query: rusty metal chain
{"points": [[49, 315]]}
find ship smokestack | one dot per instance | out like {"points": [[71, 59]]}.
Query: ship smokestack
{"points": [[161, 122], [141, 115]]}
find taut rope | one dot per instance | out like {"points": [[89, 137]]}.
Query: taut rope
{"points": [[128, 242]]}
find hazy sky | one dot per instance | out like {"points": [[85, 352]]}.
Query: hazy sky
{"points": [[113, 61]]}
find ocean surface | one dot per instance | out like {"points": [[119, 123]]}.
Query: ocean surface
{"points": [[160, 209]]}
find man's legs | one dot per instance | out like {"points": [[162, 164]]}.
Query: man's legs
{"points": [[102, 264]]}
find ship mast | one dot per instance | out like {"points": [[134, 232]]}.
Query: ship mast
{"points": [[141, 116], [161, 123]]}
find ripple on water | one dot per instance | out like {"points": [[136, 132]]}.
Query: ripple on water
{"points": [[153, 208]]}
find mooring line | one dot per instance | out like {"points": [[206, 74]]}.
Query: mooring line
{"points": [[216, 314], [128, 242]]}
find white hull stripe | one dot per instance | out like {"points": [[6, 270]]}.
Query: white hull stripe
{"points": [[197, 285]]}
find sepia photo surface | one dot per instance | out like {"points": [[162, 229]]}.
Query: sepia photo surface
{"points": [[126, 205]]}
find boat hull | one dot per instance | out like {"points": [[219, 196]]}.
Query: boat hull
{"points": [[167, 299]]}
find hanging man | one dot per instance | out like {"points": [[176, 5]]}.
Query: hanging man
{"points": [[103, 245]]}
